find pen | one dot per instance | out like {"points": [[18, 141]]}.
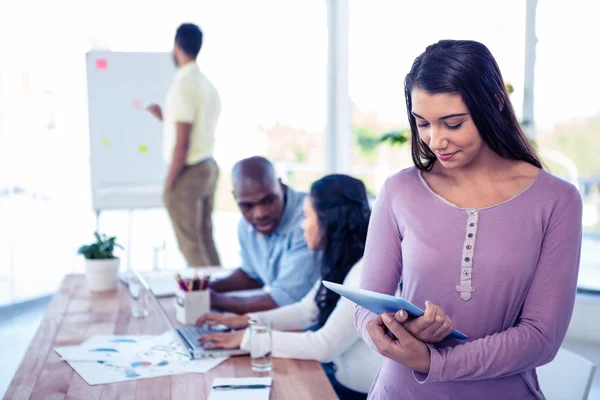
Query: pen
{"points": [[190, 285], [232, 387]]}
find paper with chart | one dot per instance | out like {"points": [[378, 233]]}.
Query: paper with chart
{"points": [[114, 358], [105, 348]]}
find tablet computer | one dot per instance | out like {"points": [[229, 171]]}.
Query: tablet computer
{"points": [[380, 303]]}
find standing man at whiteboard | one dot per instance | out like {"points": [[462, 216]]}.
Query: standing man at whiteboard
{"points": [[192, 109]]}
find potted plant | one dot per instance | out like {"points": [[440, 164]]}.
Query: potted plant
{"points": [[101, 265], [395, 138]]}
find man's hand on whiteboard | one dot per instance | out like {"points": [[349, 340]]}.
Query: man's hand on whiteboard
{"points": [[155, 110]]}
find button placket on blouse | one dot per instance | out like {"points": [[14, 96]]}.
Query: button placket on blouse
{"points": [[466, 288]]}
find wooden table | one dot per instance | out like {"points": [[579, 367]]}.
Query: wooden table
{"points": [[74, 315]]}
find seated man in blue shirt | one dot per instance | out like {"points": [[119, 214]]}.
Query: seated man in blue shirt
{"points": [[276, 263]]}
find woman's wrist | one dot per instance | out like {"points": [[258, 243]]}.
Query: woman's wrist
{"points": [[423, 364], [245, 321]]}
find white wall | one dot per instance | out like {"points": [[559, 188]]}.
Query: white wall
{"points": [[585, 323]]}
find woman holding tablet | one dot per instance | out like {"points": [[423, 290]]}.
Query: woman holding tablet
{"points": [[479, 232], [336, 216]]}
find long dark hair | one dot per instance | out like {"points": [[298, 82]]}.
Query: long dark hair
{"points": [[343, 211], [468, 68]]}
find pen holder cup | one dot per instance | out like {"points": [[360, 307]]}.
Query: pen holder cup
{"points": [[189, 306]]}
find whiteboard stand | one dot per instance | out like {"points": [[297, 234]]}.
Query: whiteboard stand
{"points": [[129, 235], [98, 221], [126, 164], [155, 251], [129, 240]]}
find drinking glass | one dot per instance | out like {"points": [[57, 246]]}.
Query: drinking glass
{"points": [[260, 346], [138, 298]]}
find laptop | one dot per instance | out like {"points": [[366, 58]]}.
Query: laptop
{"points": [[189, 334]]}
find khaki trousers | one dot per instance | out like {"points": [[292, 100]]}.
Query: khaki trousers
{"points": [[190, 204]]}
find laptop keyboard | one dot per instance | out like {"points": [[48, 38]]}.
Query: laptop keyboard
{"points": [[193, 333]]}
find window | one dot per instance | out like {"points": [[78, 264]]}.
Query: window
{"points": [[567, 113]]}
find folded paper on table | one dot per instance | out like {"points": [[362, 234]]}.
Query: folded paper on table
{"points": [[246, 394]]}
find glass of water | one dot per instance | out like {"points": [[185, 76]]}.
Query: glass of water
{"points": [[138, 298], [260, 346]]}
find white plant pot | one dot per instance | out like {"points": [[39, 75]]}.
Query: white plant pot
{"points": [[102, 275]]}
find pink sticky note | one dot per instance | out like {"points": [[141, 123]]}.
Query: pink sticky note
{"points": [[136, 104], [101, 64]]}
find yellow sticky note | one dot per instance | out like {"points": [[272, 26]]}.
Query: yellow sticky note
{"points": [[143, 148], [105, 142]]}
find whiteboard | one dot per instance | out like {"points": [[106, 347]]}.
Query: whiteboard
{"points": [[126, 163]]}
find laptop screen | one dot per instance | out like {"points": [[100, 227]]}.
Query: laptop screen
{"points": [[161, 310]]}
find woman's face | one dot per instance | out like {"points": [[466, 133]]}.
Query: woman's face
{"points": [[310, 225], [445, 125]]}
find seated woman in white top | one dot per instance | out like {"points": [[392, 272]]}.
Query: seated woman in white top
{"points": [[336, 217]]}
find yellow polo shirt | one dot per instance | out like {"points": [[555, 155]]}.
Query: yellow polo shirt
{"points": [[192, 98]]}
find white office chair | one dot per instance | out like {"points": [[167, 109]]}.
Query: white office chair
{"points": [[567, 377]]}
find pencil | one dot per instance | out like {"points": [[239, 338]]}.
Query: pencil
{"points": [[204, 283], [180, 282]]}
